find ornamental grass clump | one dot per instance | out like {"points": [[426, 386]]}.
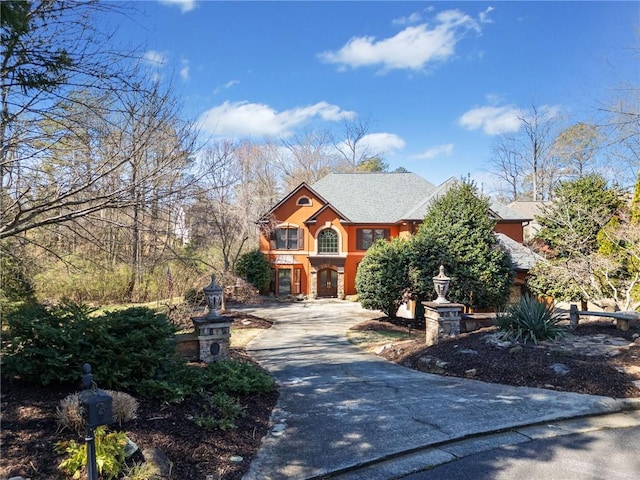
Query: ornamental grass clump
{"points": [[69, 412], [529, 320]]}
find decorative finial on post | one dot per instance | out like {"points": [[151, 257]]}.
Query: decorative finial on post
{"points": [[213, 296], [441, 284], [87, 377]]}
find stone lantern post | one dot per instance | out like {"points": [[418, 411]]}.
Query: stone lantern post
{"points": [[442, 318], [214, 330], [441, 284]]}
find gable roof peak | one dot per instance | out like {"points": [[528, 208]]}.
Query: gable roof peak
{"points": [[373, 197]]}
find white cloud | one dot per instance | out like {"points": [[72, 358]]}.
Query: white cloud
{"points": [[382, 142], [436, 151], [185, 5], [158, 59], [495, 120], [484, 16], [492, 120], [184, 71], [226, 86], [411, 19], [413, 48], [259, 120]]}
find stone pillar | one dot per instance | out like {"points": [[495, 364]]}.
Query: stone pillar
{"points": [[214, 338], [442, 320], [313, 293], [341, 283], [574, 316], [432, 327], [214, 330]]}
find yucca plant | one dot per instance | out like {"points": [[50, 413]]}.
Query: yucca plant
{"points": [[529, 320]]}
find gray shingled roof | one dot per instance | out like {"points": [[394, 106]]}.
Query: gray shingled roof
{"points": [[388, 197], [522, 258], [374, 197]]}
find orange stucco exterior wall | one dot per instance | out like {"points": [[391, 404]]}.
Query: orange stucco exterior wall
{"points": [[510, 229], [290, 213]]}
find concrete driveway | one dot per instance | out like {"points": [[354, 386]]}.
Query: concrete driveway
{"points": [[341, 409]]}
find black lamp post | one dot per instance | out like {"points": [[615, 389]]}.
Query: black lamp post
{"points": [[96, 408]]}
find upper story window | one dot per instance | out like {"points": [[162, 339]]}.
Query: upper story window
{"points": [[304, 201], [365, 237], [287, 238], [328, 241]]}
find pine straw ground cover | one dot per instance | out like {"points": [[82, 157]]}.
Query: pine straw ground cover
{"points": [[29, 430]]}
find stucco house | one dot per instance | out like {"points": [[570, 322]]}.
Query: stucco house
{"points": [[316, 236]]}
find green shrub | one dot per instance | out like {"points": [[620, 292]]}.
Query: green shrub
{"points": [[529, 320], [174, 383], [236, 377], [129, 349], [49, 345], [383, 276], [222, 411], [110, 454], [141, 471], [254, 267]]}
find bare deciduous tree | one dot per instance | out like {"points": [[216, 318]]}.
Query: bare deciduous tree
{"points": [[575, 148], [306, 158], [239, 185], [351, 147], [522, 161]]}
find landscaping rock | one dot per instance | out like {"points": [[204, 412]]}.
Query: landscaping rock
{"points": [[278, 429], [560, 369], [468, 351], [493, 340], [471, 372], [516, 350], [382, 348], [159, 462], [130, 448], [431, 364]]}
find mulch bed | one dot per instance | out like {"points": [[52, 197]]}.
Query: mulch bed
{"points": [[29, 430], [528, 365]]}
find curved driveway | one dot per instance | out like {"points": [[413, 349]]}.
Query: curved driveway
{"points": [[340, 408]]}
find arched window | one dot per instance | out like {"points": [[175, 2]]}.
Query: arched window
{"points": [[328, 241], [304, 201]]}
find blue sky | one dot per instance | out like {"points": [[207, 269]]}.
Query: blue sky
{"points": [[437, 80]]}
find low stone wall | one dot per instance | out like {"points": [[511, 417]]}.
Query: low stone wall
{"points": [[475, 321], [188, 346]]}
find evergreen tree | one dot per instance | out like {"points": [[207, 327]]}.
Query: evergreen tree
{"points": [[253, 266], [635, 203], [459, 226], [580, 209]]}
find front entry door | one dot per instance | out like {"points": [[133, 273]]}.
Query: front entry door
{"points": [[327, 283]]}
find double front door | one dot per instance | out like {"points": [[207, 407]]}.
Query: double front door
{"points": [[327, 283]]}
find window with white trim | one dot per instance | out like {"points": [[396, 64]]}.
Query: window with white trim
{"points": [[287, 238], [328, 241]]}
